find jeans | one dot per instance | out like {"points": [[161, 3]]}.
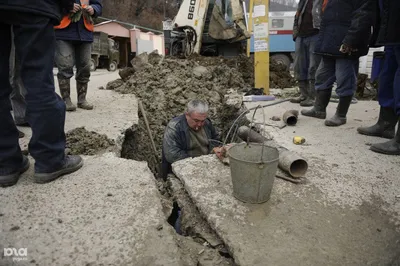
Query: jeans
{"points": [[18, 93], [342, 70], [45, 113], [389, 79], [70, 54], [306, 61]]}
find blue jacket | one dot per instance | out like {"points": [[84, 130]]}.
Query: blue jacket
{"points": [[47, 8], [345, 22], [176, 141], [387, 28], [77, 31]]}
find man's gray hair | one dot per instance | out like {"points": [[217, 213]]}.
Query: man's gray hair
{"points": [[197, 106]]}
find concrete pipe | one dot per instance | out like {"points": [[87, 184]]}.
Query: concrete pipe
{"points": [[290, 117], [289, 162]]}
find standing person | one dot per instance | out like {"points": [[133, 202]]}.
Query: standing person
{"points": [[74, 40], [32, 23], [343, 38], [388, 34], [305, 34]]}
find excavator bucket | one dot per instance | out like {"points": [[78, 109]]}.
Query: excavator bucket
{"points": [[219, 29]]}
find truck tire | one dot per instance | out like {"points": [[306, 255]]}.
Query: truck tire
{"points": [[282, 59], [92, 65], [112, 66]]}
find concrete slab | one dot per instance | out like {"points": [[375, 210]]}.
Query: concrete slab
{"points": [[298, 226], [109, 213]]}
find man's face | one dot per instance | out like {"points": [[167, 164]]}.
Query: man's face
{"points": [[196, 120]]}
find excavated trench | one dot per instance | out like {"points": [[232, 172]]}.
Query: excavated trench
{"points": [[164, 86]]}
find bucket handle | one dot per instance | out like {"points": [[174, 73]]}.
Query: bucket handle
{"points": [[234, 125]]}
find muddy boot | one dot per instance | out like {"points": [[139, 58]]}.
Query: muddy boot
{"points": [[309, 101], [384, 128], [341, 111], [303, 92], [320, 104], [82, 91], [65, 90], [392, 147]]}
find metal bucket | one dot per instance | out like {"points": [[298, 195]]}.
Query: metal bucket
{"points": [[253, 168]]}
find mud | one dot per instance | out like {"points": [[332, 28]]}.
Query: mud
{"points": [[83, 142]]}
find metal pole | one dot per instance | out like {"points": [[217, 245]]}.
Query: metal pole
{"points": [[260, 15]]}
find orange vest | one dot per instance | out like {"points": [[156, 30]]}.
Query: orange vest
{"points": [[67, 20]]}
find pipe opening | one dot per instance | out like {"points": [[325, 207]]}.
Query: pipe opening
{"points": [[291, 120], [298, 168]]}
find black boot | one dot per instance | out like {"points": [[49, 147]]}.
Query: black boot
{"points": [[385, 127], [65, 90], [341, 111], [392, 147], [303, 92], [309, 101], [82, 91], [320, 104]]}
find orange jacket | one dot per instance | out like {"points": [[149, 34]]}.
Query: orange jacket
{"points": [[67, 20]]}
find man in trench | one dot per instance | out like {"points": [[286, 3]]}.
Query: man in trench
{"points": [[189, 135]]}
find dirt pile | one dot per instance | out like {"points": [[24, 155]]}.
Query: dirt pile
{"points": [[83, 142], [164, 86]]}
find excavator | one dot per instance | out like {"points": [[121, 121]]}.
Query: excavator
{"points": [[207, 27]]}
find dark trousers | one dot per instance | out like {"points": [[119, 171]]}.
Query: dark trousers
{"points": [[306, 61], [70, 54], [342, 70], [389, 79], [35, 45]]}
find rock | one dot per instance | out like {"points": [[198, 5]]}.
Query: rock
{"points": [[112, 85], [177, 90], [275, 118], [101, 88], [155, 58], [140, 61], [200, 71], [126, 73]]}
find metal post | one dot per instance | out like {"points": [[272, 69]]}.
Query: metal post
{"points": [[259, 21]]}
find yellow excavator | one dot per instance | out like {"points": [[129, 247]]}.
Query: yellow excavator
{"points": [[207, 27]]}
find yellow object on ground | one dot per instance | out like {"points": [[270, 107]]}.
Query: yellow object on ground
{"points": [[299, 140]]}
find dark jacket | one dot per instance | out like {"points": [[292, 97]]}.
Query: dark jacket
{"points": [[47, 8], [345, 22], [77, 31], [176, 141], [387, 26], [316, 13]]}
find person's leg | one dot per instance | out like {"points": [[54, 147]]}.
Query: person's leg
{"points": [[325, 77], [12, 163], [300, 70], [35, 44], [385, 127], [346, 86], [65, 58], [392, 147], [314, 61], [83, 56]]}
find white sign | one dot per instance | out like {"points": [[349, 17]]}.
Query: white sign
{"points": [[16, 254], [260, 46], [261, 31], [168, 25], [259, 11]]}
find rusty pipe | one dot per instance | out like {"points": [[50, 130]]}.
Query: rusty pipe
{"points": [[290, 117], [289, 162]]}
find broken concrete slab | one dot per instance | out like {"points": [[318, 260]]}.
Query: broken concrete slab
{"points": [[108, 213], [298, 226]]}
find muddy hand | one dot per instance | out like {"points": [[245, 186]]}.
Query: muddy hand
{"points": [[220, 152], [76, 8], [90, 10]]}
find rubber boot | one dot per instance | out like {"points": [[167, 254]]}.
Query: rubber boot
{"points": [[82, 91], [341, 111], [309, 101], [72, 163], [385, 127], [303, 92], [65, 90], [320, 104], [392, 147]]}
